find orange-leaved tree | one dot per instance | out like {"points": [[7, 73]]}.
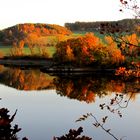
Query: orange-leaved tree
{"points": [[87, 49]]}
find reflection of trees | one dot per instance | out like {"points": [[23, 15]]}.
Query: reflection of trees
{"points": [[82, 89], [87, 88], [26, 79], [1, 68], [125, 91], [121, 86]]}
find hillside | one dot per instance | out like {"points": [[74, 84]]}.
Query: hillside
{"points": [[20, 31], [125, 25]]}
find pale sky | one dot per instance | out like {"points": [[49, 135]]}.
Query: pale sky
{"points": [[58, 11]]}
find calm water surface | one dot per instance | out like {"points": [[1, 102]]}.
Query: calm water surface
{"points": [[48, 106]]}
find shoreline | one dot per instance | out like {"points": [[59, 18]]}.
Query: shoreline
{"points": [[54, 69], [48, 65]]}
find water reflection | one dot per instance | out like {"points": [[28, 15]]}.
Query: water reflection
{"points": [[82, 89], [85, 88], [26, 79]]}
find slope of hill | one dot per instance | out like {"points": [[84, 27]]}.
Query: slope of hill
{"points": [[20, 31]]}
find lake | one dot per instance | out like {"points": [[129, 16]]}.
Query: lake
{"points": [[48, 105]]}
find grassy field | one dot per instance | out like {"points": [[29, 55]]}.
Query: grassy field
{"points": [[5, 50], [80, 33]]}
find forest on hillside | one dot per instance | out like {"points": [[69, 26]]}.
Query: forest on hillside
{"points": [[20, 32], [125, 25]]}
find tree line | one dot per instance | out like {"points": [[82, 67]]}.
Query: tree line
{"points": [[125, 25]]}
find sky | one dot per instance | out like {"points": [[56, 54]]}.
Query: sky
{"points": [[58, 11]]}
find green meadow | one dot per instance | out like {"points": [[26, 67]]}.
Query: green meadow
{"points": [[6, 50]]}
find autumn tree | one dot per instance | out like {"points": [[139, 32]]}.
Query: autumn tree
{"points": [[127, 40], [31, 41], [87, 50]]}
